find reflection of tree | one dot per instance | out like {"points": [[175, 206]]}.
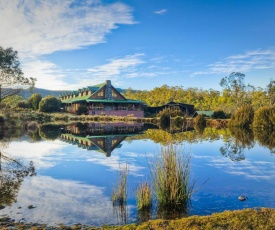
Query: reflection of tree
{"points": [[12, 173], [266, 137], [49, 132], [235, 145]]}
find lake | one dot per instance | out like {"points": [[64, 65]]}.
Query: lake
{"points": [[66, 174]]}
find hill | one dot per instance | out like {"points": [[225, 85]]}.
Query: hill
{"points": [[43, 92]]}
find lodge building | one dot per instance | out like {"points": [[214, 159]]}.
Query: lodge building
{"points": [[102, 99]]}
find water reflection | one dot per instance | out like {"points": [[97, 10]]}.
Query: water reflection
{"points": [[235, 145], [101, 137], [12, 174], [74, 185]]}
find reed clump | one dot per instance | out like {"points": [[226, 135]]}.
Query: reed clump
{"points": [[171, 176], [144, 196], [119, 194]]}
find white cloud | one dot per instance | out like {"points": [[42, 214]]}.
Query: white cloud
{"points": [[160, 12], [62, 201], [36, 28], [251, 60], [42, 27]]}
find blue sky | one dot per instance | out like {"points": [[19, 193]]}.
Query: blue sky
{"points": [[141, 44]]}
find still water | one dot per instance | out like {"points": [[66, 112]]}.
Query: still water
{"points": [[69, 171]]}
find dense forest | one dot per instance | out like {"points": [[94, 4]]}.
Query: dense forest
{"points": [[235, 93]]}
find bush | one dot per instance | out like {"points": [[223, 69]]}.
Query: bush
{"points": [[23, 105], [219, 114], [265, 118], [82, 110], [243, 117], [34, 101], [164, 121], [50, 132], [49, 104], [178, 122], [200, 121]]}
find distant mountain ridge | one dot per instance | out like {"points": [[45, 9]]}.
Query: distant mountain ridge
{"points": [[43, 92]]}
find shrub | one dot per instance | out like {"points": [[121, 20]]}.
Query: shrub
{"points": [[243, 117], [171, 176], [34, 101], [82, 110], [200, 121], [119, 194], [178, 122], [2, 119], [49, 132], [144, 196], [219, 114], [49, 104], [265, 118], [23, 105], [164, 121]]}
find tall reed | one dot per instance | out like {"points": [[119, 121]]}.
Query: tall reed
{"points": [[171, 176], [144, 196], [119, 194]]}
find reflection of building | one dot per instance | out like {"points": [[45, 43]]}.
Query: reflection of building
{"points": [[99, 136], [184, 108], [102, 99]]}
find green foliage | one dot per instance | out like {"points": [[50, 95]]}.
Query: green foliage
{"points": [[178, 122], [2, 118], [200, 121], [119, 194], [11, 75], [219, 114], [243, 117], [12, 101], [144, 196], [49, 132], [82, 110], [164, 121], [34, 101], [265, 137], [49, 104], [171, 175], [23, 105], [265, 118]]}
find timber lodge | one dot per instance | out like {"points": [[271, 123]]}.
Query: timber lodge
{"points": [[104, 99]]}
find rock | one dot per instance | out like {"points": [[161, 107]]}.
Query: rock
{"points": [[242, 198]]}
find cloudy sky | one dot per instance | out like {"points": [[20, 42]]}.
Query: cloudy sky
{"points": [[142, 44]]}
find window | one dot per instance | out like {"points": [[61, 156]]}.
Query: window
{"points": [[100, 94], [114, 94]]}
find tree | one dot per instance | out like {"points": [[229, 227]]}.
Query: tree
{"points": [[271, 92], [234, 84], [34, 101], [49, 104], [12, 79]]}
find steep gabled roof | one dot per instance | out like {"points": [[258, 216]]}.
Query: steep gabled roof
{"points": [[95, 89]]}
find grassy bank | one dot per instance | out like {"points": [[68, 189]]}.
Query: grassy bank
{"points": [[246, 219]]}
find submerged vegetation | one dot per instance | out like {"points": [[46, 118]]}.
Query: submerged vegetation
{"points": [[119, 194], [170, 172], [144, 196]]}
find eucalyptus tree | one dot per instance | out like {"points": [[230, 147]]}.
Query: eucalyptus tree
{"points": [[12, 79], [238, 90]]}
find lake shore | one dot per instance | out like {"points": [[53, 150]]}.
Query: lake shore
{"points": [[262, 218]]}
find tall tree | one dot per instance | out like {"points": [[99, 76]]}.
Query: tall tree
{"points": [[234, 84], [271, 92], [12, 79]]}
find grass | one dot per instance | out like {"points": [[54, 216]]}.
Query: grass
{"points": [[171, 176], [263, 218], [144, 196], [119, 194]]}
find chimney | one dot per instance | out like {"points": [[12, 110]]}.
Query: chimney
{"points": [[108, 90]]}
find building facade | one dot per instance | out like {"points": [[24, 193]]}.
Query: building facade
{"points": [[102, 99]]}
